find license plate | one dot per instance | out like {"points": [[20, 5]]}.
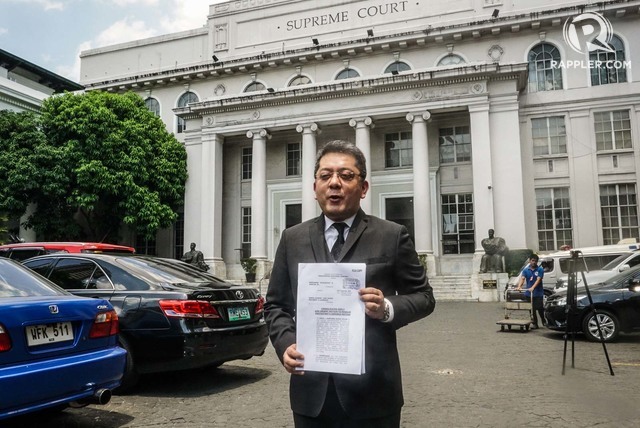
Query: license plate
{"points": [[49, 333], [238, 314]]}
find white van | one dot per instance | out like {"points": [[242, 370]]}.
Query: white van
{"points": [[556, 264], [623, 262]]}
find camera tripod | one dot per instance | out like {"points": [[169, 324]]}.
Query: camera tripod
{"points": [[572, 310]]}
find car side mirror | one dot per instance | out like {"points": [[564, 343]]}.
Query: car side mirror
{"points": [[634, 285], [624, 267]]}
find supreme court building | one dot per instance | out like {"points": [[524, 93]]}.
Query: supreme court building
{"points": [[520, 116]]}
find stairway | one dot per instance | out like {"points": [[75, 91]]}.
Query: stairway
{"points": [[452, 287]]}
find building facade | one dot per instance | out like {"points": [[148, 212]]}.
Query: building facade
{"points": [[473, 115]]}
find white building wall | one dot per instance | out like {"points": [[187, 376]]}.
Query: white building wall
{"points": [[258, 41]]}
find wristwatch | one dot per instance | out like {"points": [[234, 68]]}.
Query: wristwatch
{"points": [[387, 313]]}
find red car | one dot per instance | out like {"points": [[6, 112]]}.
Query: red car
{"points": [[25, 250]]}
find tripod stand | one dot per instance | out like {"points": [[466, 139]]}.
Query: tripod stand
{"points": [[572, 310]]}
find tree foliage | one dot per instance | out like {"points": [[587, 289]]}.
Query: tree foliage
{"points": [[100, 160]]}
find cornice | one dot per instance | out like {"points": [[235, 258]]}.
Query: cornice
{"points": [[417, 80], [508, 24]]}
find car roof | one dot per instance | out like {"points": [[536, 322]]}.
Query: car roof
{"points": [[600, 249], [61, 245]]}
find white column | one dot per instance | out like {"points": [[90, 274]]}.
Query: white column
{"points": [[363, 128], [309, 132], [193, 192], [421, 185], [211, 202], [482, 173], [259, 193]]}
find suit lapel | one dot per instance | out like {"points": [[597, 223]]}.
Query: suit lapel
{"points": [[318, 242]]}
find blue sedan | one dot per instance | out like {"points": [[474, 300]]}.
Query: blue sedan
{"points": [[55, 348]]}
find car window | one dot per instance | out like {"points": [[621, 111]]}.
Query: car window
{"points": [[39, 265], [123, 280], [634, 260], [25, 253], [547, 265], [100, 280], [615, 262], [17, 281], [622, 279], [72, 274]]}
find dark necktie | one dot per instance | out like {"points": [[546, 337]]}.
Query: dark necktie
{"points": [[337, 246]]}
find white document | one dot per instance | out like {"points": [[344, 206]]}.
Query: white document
{"points": [[330, 317]]}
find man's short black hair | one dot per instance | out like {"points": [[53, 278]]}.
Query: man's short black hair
{"points": [[534, 257], [347, 148]]}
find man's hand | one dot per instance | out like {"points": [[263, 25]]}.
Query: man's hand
{"points": [[373, 302], [292, 359]]}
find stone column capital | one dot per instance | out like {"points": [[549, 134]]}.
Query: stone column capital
{"points": [[425, 115], [361, 122], [308, 128], [259, 133]]}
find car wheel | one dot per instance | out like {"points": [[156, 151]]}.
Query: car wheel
{"points": [[608, 324], [131, 376]]}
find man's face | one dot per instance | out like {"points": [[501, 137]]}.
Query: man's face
{"points": [[338, 186], [533, 262]]}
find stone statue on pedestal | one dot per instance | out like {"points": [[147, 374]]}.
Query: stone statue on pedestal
{"points": [[495, 248]]}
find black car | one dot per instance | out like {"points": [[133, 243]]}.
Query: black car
{"points": [[172, 316], [617, 303]]}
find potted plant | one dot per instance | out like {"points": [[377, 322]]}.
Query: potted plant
{"points": [[249, 265]]}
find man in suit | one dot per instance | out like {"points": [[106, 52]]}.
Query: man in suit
{"points": [[396, 293]]}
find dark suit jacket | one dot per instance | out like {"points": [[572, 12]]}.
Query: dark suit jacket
{"points": [[393, 267]]}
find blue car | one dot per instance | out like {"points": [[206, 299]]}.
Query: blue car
{"points": [[55, 348]]}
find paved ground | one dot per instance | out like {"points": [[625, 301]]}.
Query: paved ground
{"points": [[459, 371]]}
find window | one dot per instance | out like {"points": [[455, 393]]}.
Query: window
{"points": [[451, 59], [145, 246], [609, 67], [619, 208], [554, 218], [178, 236], [293, 215], [247, 157], [152, 105], [455, 144], [185, 99], [246, 232], [398, 149], [397, 67], [400, 210], [293, 159], [544, 68], [300, 80], [255, 86], [457, 224], [73, 274], [549, 136], [613, 130], [347, 73]]}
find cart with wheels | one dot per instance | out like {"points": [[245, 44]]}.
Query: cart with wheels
{"points": [[517, 311]]}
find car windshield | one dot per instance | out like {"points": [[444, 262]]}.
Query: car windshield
{"points": [[18, 281], [166, 270], [615, 262], [622, 280]]}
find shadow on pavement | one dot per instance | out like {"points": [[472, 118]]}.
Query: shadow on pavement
{"points": [[86, 417]]}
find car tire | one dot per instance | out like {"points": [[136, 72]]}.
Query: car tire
{"points": [[131, 376], [609, 325]]}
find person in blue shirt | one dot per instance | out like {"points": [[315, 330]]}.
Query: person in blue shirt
{"points": [[533, 275]]}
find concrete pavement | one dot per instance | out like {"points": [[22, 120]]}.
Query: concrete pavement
{"points": [[459, 370]]}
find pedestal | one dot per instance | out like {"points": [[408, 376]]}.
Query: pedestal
{"points": [[217, 267], [488, 287]]}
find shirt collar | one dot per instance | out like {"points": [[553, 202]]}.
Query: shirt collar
{"points": [[328, 222]]}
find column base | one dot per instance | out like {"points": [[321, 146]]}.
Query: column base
{"points": [[429, 262], [217, 267]]}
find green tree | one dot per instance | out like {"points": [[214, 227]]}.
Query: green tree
{"points": [[104, 160], [19, 133]]}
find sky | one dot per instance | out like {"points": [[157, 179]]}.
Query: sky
{"points": [[52, 33]]}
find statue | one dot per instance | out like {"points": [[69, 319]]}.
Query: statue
{"points": [[494, 250], [195, 258]]}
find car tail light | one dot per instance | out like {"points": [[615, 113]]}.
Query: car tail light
{"points": [[105, 324], [188, 309], [5, 340], [259, 305]]}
